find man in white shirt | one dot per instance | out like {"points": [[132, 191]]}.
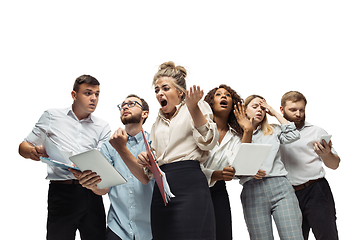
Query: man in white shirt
{"points": [[73, 129], [304, 160]]}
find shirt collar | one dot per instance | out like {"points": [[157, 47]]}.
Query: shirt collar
{"points": [[257, 129], [232, 130], [228, 136], [162, 115], [137, 138], [71, 113], [307, 124]]}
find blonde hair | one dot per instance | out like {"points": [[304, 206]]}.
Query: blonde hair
{"points": [[265, 126], [178, 73]]}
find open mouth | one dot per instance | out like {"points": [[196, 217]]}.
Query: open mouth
{"points": [[163, 103], [223, 103]]}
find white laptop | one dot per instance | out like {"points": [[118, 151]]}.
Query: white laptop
{"points": [[250, 157], [95, 161]]}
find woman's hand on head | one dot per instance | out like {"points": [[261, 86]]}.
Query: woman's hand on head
{"points": [[268, 109]]}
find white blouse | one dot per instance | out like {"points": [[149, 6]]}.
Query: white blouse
{"points": [[222, 155], [177, 139]]}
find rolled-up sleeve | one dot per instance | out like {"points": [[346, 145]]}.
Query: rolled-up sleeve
{"points": [[208, 173], [207, 135], [35, 137], [288, 133]]}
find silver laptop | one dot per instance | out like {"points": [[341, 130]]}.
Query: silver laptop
{"points": [[95, 161]]}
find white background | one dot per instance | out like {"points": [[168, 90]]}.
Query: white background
{"points": [[262, 47]]}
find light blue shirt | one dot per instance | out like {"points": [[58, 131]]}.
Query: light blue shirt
{"points": [[283, 134], [129, 213]]}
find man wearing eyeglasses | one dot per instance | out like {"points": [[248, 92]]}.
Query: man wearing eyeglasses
{"points": [[129, 213]]}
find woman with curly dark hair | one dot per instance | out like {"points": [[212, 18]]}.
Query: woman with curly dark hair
{"points": [[233, 127]]}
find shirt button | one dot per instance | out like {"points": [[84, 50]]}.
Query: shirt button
{"points": [[130, 191]]}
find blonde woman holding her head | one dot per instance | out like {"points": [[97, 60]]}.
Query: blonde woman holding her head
{"points": [[272, 195], [181, 136]]}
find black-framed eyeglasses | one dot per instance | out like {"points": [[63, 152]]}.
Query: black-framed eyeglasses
{"points": [[130, 104]]}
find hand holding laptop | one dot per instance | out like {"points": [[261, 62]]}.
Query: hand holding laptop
{"points": [[96, 162], [87, 179]]}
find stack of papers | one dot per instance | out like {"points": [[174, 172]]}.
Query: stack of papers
{"points": [[159, 175]]}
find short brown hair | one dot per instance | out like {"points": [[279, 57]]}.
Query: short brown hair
{"points": [[293, 96], [84, 79]]}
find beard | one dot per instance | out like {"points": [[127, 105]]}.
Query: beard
{"points": [[131, 119], [299, 122]]}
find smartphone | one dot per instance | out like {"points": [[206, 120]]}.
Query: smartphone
{"points": [[326, 138]]}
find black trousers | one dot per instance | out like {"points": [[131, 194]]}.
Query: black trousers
{"points": [[190, 215], [72, 207], [220, 199], [318, 208]]}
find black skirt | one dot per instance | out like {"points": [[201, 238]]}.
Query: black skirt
{"points": [[188, 216]]}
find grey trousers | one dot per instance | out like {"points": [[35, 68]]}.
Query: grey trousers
{"points": [[268, 198]]}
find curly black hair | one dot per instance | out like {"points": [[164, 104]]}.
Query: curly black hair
{"points": [[209, 98]]}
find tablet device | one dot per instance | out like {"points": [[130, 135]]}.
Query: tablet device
{"points": [[249, 158], [95, 161]]}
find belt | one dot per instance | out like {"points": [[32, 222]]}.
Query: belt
{"points": [[68, 182], [304, 185]]}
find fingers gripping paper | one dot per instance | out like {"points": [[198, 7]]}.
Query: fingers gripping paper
{"points": [[159, 175]]}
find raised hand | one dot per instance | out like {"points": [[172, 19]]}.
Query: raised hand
{"points": [[119, 139], [242, 119], [193, 96]]}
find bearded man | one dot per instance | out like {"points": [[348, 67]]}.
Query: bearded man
{"points": [[129, 213], [304, 160]]}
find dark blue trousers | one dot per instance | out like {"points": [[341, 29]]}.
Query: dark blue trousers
{"points": [[318, 208]]}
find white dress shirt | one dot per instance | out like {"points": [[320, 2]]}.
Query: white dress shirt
{"points": [[300, 159], [222, 155], [63, 128], [177, 139]]}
